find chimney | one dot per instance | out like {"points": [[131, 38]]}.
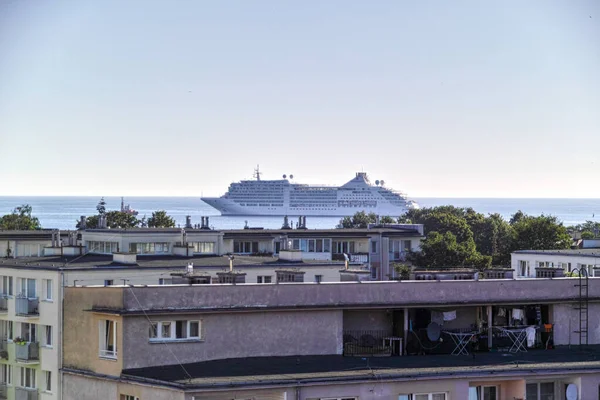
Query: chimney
{"points": [[82, 222], [299, 226], [188, 221], [286, 223]]}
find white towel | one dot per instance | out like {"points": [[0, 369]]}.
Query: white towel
{"points": [[449, 315], [530, 336], [517, 314], [501, 312]]}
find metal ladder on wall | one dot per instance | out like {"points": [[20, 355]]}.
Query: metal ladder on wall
{"points": [[582, 306]]}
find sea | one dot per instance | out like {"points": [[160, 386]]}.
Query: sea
{"points": [[64, 212]]}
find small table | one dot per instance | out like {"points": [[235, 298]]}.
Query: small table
{"points": [[461, 340], [518, 337], [390, 342]]}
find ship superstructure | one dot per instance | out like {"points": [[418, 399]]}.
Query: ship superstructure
{"points": [[283, 197]]}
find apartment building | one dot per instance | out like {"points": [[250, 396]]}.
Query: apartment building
{"points": [[375, 247], [416, 340], [555, 263], [32, 293]]}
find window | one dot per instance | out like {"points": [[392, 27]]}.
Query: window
{"points": [[28, 378], [523, 268], [29, 332], [540, 391], [174, 330], [406, 245], [6, 330], [165, 281], [423, 396], [7, 285], [6, 374], [153, 330], [373, 247], [149, 248], [373, 273], [204, 247], [318, 278], [483, 393], [48, 336], [129, 397], [102, 247], [48, 381], [27, 288], [108, 338], [264, 279], [109, 282], [48, 289]]}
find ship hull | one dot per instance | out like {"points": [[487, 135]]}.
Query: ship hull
{"points": [[230, 208]]}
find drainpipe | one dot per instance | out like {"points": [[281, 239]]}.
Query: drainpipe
{"points": [[489, 320], [60, 332], [297, 392]]}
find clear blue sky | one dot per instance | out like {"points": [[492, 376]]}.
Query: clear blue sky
{"points": [[439, 98]]}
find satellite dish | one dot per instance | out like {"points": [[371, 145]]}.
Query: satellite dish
{"points": [[291, 176], [571, 392], [434, 332], [382, 182], [377, 182], [284, 176]]}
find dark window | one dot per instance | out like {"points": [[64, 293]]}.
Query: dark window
{"points": [[180, 329]]}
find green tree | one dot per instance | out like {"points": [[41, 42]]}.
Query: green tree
{"points": [[402, 270], [540, 233], [101, 207], [587, 235], [160, 219], [90, 222], [20, 219], [386, 220], [359, 220], [442, 250], [493, 237], [118, 219]]}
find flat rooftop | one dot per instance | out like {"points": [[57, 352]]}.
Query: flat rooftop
{"points": [[570, 252], [296, 369], [94, 261]]}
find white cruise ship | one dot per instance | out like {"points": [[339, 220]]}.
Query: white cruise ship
{"points": [[282, 197]]}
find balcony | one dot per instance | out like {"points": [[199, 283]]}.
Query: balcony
{"points": [[3, 391], [367, 343], [27, 307], [26, 394], [3, 304], [27, 353], [361, 258], [549, 272]]}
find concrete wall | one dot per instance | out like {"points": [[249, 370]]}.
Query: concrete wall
{"points": [[465, 317], [566, 321], [237, 335], [405, 293], [81, 341], [91, 388], [367, 320]]}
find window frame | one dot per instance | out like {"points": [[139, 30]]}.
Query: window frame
{"points": [[47, 381], [160, 337], [6, 374], [48, 334], [47, 288], [32, 378], [103, 351]]}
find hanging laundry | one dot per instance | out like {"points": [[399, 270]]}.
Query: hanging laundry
{"points": [[530, 336], [449, 315], [517, 314], [501, 312], [437, 317]]}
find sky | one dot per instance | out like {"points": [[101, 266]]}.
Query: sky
{"points": [[438, 98]]}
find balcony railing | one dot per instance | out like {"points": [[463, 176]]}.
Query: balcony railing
{"points": [[366, 343], [549, 272], [3, 303], [26, 394], [25, 306], [353, 257], [3, 391], [28, 352]]}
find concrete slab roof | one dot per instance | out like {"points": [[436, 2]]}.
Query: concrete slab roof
{"points": [[314, 369], [570, 252]]}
